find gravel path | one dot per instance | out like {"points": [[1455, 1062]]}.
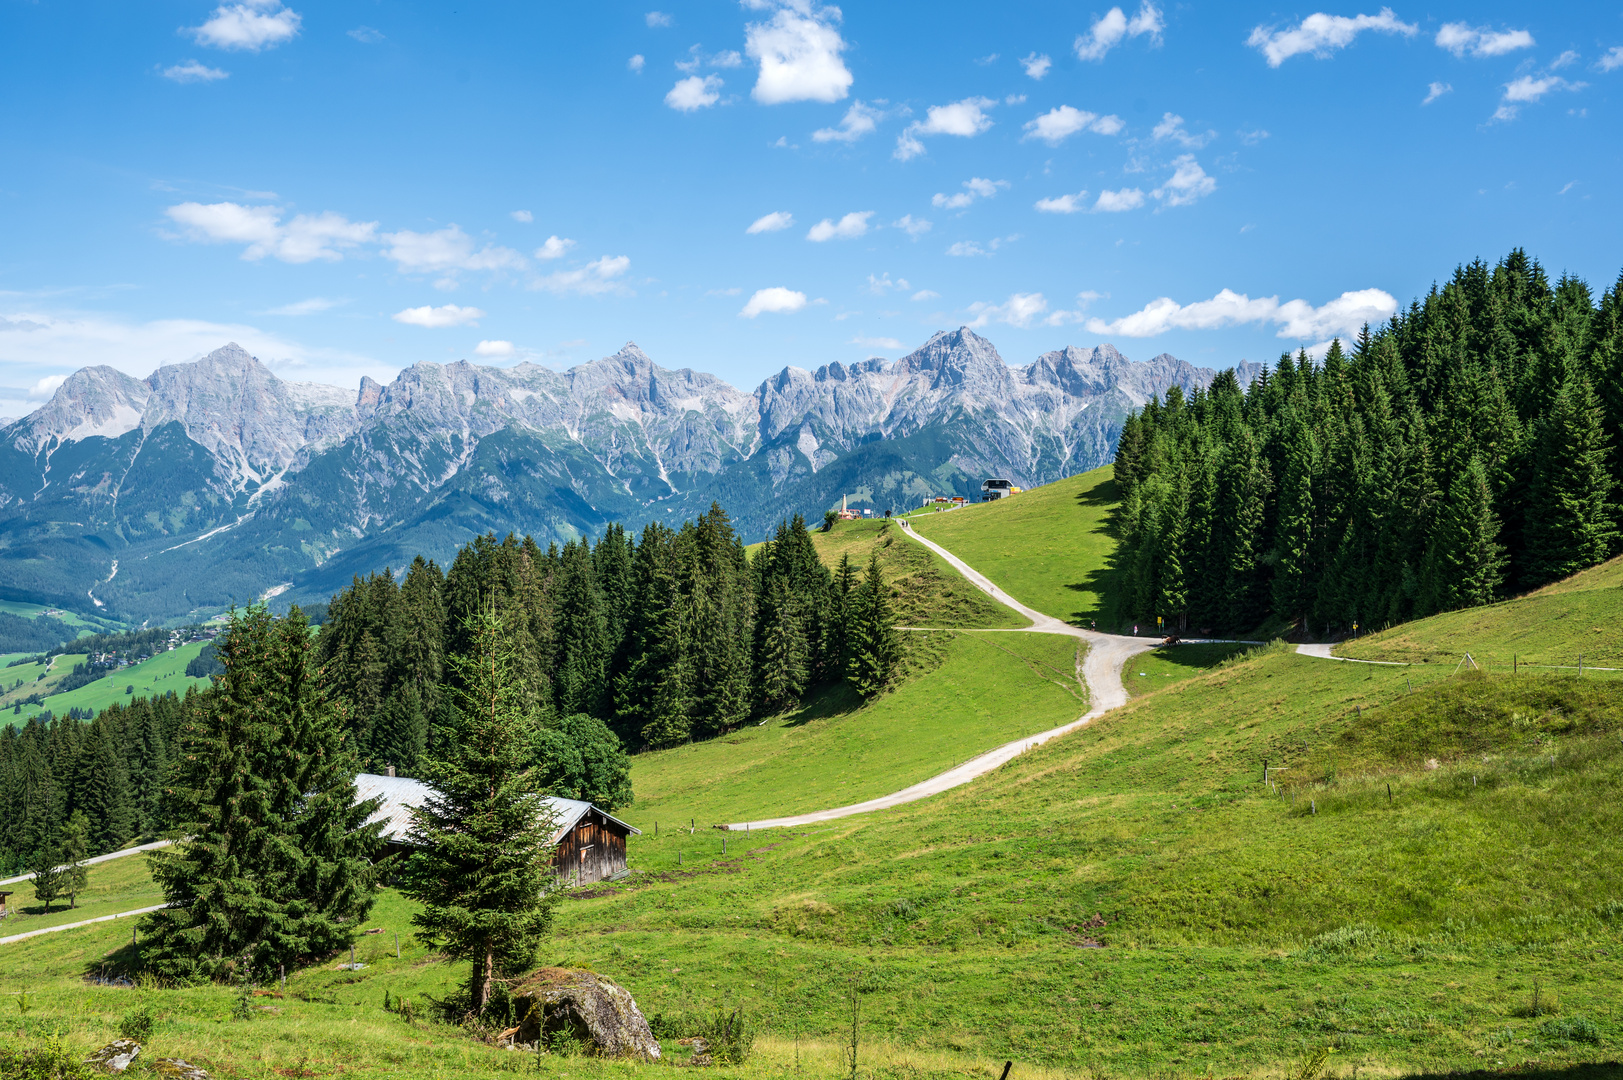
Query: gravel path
{"points": [[1101, 670]]}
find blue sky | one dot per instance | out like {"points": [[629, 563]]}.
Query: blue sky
{"points": [[355, 187]]}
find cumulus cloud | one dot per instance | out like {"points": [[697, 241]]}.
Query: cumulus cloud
{"points": [[1461, 38], [1056, 125], [774, 301], [446, 250], [1114, 202], [594, 279], [254, 25], [849, 227], [191, 71], [776, 221], [877, 342], [1298, 319], [1113, 27], [881, 285], [1566, 59], [925, 294], [859, 120], [493, 348], [974, 186], [1529, 90], [1321, 34], [966, 118], [436, 318], [798, 51], [1171, 127], [636, 63], [694, 92], [1612, 60], [1188, 183], [1037, 66], [911, 226], [658, 19], [260, 228], [556, 247], [1437, 90], [46, 387], [1018, 310], [1062, 204]]}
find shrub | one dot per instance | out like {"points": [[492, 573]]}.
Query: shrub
{"points": [[1570, 1029], [137, 1023], [48, 1062], [730, 1036]]}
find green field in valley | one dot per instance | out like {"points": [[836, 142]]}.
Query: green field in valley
{"points": [[159, 675], [1046, 547]]}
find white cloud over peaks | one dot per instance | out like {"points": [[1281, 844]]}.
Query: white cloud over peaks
{"points": [[911, 227], [776, 221], [594, 279], [694, 92], [447, 249], [1461, 38], [636, 63], [1110, 29], [966, 119], [254, 25], [1612, 60], [1321, 34], [972, 187], [1018, 310], [877, 342], [493, 348], [307, 237], [1437, 90], [1114, 202], [1037, 65], [1188, 183], [191, 71], [798, 51], [437, 318], [46, 387], [1528, 90], [859, 120], [849, 227], [774, 301], [1341, 317], [1171, 127], [1063, 204], [1056, 125], [657, 19], [555, 247]]}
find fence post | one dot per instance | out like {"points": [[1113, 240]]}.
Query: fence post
{"points": [[397, 944]]}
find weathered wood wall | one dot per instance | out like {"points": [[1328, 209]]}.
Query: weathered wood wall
{"points": [[593, 850]]}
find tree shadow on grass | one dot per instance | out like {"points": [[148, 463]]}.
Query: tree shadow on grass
{"points": [[1198, 657], [826, 704], [1607, 1070]]}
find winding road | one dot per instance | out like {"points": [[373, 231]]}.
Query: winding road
{"points": [[1101, 670]]}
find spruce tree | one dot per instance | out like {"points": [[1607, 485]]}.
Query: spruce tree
{"points": [[1464, 564], [1569, 515], [73, 847], [482, 869], [874, 649]]}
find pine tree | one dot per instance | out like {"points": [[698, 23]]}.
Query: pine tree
{"points": [[1569, 515], [874, 649], [1465, 564], [482, 869]]}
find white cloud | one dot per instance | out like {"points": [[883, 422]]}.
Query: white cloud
{"points": [[446, 250], [877, 342], [555, 247], [1056, 125], [728, 59], [912, 228], [636, 63], [42, 390], [1062, 204], [694, 92], [849, 227], [974, 186], [1460, 38], [254, 25], [305, 238], [1528, 90], [437, 318], [774, 301], [859, 120], [521, 215], [1253, 137], [1114, 202], [1018, 310], [925, 294], [1435, 91], [657, 19], [1566, 59], [965, 119], [1296, 319], [971, 248], [1110, 29], [366, 35], [191, 71], [776, 221], [1037, 66], [1612, 60], [1171, 127], [881, 285], [798, 51], [594, 279], [1321, 34], [312, 306], [696, 60], [493, 348], [1187, 183]]}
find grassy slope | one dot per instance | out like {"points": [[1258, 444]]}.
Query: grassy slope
{"points": [[1152, 671], [111, 887], [1582, 615], [1046, 547], [162, 673]]}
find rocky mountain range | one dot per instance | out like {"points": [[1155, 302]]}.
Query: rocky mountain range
{"points": [[215, 482]]}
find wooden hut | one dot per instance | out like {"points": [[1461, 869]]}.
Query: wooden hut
{"points": [[588, 844]]}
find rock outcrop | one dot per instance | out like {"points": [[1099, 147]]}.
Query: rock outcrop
{"points": [[585, 1006]]}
